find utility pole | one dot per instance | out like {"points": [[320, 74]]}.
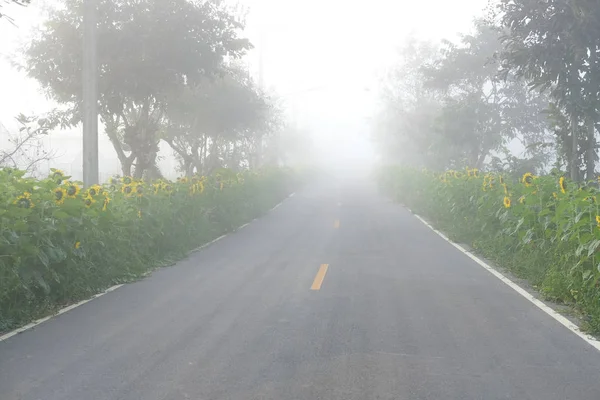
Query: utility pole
{"points": [[90, 94]]}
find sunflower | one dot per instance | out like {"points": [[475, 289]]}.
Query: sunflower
{"points": [[475, 173], [507, 202], [77, 245], [24, 201], [127, 180], [59, 195], [563, 184], [501, 179], [522, 199], [183, 179], [94, 191], [139, 191], [88, 201], [57, 175], [201, 186], [105, 205], [127, 190], [73, 190], [168, 188], [598, 220], [156, 187], [554, 195], [457, 174], [527, 179], [505, 188]]}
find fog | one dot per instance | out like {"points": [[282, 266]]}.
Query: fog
{"points": [[322, 60]]}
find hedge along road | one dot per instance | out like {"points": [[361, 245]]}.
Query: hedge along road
{"points": [[336, 294]]}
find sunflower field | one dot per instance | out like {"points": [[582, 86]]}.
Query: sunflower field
{"points": [[542, 228], [60, 243]]}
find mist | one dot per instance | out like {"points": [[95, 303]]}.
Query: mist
{"points": [[326, 79]]}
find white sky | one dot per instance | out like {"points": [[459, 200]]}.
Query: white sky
{"points": [[319, 55]]}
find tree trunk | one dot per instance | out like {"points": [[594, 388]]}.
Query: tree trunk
{"points": [[574, 149], [126, 164]]}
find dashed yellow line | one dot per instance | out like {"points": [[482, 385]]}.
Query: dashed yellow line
{"points": [[319, 278], [336, 224]]}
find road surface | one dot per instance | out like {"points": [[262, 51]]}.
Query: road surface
{"points": [[336, 294]]}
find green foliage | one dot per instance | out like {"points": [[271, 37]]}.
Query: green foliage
{"points": [[59, 243], [148, 52], [554, 46], [450, 108], [544, 228]]}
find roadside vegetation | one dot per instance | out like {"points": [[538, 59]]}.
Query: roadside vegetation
{"points": [[517, 97], [544, 229], [173, 81], [60, 243]]}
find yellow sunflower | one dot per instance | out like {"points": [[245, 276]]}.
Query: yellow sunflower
{"points": [[598, 220], [527, 179], [73, 190], [24, 201], [105, 205], [88, 201], [127, 180], [522, 199], [127, 190], [93, 191], [563, 184], [201, 187], [501, 179], [505, 188], [77, 245], [60, 195], [554, 195], [507, 202], [57, 175], [139, 190]]}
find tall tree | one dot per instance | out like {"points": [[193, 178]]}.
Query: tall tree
{"points": [[215, 117], [148, 51], [404, 130], [554, 46], [482, 111]]}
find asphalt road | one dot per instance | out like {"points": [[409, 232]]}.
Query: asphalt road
{"points": [[398, 314]]}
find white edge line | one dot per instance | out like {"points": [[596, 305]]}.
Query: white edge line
{"points": [[292, 194], [205, 245], [110, 289], [61, 311], [548, 310]]}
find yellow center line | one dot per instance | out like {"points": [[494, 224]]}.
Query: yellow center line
{"points": [[336, 223], [319, 278]]}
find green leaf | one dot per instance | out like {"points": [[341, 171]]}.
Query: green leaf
{"points": [[43, 257], [593, 246]]}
